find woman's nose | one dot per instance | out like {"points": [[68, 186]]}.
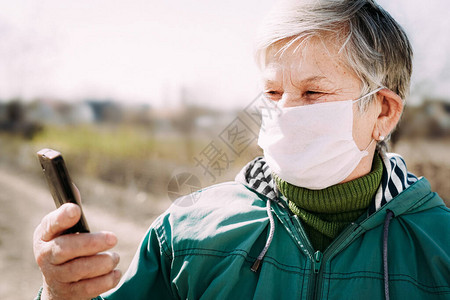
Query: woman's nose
{"points": [[288, 101]]}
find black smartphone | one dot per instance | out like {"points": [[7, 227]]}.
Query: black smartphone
{"points": [[60, 184]]}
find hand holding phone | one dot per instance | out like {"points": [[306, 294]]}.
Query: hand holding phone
{"points": [[60, 184], [75, 266]]}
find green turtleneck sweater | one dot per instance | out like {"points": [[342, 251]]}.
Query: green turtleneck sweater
{"points": [[325, 213]]}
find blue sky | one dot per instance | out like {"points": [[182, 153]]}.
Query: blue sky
{"points": [[145, 50]]}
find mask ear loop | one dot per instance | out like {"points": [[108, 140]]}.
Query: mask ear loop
{"points": [[359, 99], [368, 146], [369, 94], [380, 138]]}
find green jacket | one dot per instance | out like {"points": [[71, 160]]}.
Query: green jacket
{"points": [[206, 250]]}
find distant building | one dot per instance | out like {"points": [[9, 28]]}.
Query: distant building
{"points": [[105, 110]]}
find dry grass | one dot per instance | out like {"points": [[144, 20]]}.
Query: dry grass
{"points": [[431, 159]]}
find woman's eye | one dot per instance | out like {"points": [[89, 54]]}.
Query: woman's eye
{"points": [[272, 92], [273, 95], [312, 93]]}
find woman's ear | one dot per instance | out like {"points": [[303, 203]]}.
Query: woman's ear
{"points": [[390, 111]]}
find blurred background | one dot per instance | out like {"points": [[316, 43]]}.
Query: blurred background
{"points": [[149, 100]]}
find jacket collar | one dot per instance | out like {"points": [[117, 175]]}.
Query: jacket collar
{"points": [[395, 179]]}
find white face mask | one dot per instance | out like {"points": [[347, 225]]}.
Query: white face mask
{"points": [[312, 146]]}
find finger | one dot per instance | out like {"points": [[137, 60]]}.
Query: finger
{"points": [[70, 246], [91, 288], [56, 222], [87, 267]]}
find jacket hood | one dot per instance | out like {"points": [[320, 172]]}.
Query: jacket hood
{"points": [[416, 198], [396, 183]]}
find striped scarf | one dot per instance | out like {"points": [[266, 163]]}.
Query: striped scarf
{"points": [[395, 179]]}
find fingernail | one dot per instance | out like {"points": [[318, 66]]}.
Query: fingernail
{"points": [[117, 275], [116, 257], [71, 211], [111, 239]]}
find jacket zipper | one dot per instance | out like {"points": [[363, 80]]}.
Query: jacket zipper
{"points": [[317, 261], [327, 253], [318, 257]]}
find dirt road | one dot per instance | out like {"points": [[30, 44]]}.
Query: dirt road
{"points": [[24, 200]]}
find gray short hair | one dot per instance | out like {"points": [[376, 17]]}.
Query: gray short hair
{"points": [[373, 43]]}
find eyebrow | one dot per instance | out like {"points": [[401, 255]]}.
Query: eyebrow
{"points": [[309, 80], [313, 79]]}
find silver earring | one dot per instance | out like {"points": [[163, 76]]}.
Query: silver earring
{"points": [[381, 138]]}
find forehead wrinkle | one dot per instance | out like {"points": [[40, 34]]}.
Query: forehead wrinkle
{"points": [[271, 76], [288, 67]]}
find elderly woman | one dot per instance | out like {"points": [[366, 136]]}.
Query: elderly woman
{"points": [[326, 213]]}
